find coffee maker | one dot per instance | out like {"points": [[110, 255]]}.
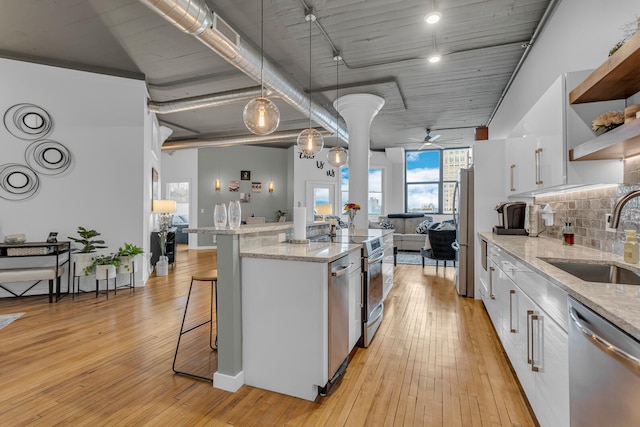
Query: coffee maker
{"points": [[511, 218]]}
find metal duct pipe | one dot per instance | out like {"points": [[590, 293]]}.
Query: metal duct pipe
{"points": [[228, 141], [204, 101], [193, 17]]}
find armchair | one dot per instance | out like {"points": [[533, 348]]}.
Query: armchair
{"points": [[438, 244]]}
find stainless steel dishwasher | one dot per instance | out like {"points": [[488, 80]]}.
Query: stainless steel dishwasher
{"points": [[604, 371], [338, 320]]}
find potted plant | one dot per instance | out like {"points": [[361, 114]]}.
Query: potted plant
{"points": [[104, 266], [127, 254], [281, 216], [81, 258]]}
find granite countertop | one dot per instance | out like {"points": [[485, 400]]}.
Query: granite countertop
{"points": [[618, 303], [309, 252], [244, 228]]}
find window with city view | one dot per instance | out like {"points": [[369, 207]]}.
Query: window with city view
{"points": [[430, 177], [375, 189]]}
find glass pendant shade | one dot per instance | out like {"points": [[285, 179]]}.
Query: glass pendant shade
{"points": [[337, 156], [261, 116], [310, 142]]}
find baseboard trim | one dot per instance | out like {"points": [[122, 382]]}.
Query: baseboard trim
{"points": [[228, 382]]}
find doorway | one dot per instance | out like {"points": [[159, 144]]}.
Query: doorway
{"points": [[180, 191]]}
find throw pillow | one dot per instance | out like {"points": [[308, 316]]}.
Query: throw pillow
{"points": [[386, 225], [423, 227]]}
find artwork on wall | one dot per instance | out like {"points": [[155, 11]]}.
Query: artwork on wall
{"points": [[256, 187], [245, 175], [234, 186], [154, 185], [29, 122], [245, 197], [17, 182], [48, 157]]}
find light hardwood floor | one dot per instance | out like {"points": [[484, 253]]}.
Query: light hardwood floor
{"points": [[436, 361]]}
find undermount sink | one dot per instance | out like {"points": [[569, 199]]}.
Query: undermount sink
{"points": [[594, 272]]}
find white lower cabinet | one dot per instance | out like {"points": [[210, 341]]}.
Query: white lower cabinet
{"points": [[537, 346]]}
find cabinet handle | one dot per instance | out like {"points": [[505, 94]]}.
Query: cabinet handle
{"points": [[512, 174], [538, 172], [529, 338], [512, 292], [534, 368], [491, 295]]}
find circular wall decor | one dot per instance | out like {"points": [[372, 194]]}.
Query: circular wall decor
{"points": [[17, 182], [27, 121], [48, 157]]}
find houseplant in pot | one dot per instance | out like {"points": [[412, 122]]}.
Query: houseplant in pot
{"points": [[104, 266], [81, 258], [127, 255]]}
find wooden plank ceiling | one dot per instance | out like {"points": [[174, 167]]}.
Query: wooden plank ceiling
{"points": [[384, 44]]}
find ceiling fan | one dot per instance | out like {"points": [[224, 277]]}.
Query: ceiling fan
{"points": [[429, 140]]}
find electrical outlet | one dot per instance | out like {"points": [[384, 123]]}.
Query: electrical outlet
{"points": [[607, 221]]}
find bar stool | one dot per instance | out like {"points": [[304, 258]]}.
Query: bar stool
{"points": [[210, 276]]}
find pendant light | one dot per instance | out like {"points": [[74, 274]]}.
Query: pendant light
{"points": [[310, 141], [337, 156], [261, 115]]}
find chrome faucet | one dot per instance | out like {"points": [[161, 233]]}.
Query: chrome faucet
{"points": [[617, 208]]}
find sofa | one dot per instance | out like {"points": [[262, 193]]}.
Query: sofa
{"points": [[179, 222], [405, 237]]}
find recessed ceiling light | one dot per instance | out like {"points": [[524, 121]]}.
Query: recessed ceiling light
{"points": [[432, 17], [434, 58]]}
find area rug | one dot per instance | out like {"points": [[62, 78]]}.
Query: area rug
{"points": [[5, 319], [409, 258]]}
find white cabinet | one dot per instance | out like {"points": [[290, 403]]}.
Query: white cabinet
{"points": [[355, 298], [285, 331], [543, 345], [537, 149], [534, 340]]}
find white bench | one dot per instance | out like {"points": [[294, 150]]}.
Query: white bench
{"points": [[36, 274]]}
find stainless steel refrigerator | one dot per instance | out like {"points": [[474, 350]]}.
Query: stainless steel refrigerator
{"points": [[463, 210]]}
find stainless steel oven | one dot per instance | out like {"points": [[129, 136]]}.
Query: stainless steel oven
{"points": [[372, 285]]}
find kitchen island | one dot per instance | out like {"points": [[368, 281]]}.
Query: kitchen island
{"points": [[247, 238], [296, 317]]}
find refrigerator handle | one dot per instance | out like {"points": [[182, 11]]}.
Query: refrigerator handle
{"points": [[453, 207]]}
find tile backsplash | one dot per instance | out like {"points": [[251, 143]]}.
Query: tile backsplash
{"points": [[586, 211]]}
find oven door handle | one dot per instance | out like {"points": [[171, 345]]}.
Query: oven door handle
{"points": [[376, 259]]}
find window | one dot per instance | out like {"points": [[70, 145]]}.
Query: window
{"points": [[430, 177], [375, 189]]}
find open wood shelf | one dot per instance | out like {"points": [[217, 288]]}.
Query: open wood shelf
{"points": [[619, 143], [617, 78]]}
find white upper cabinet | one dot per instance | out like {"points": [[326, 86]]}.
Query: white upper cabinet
{"points": [[538, 146]]}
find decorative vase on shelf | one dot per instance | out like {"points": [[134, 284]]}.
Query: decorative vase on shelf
{"points": [[234, 214], [220, 216], [162, 266]]}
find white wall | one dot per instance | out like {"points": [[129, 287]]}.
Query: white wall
{"points": [[313, 171], [101, 120], [578, 37]]}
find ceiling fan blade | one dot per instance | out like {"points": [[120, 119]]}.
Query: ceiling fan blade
{"points": [[433, 138]]}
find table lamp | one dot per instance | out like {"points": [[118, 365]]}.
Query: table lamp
{"points": [[165, 208]]}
